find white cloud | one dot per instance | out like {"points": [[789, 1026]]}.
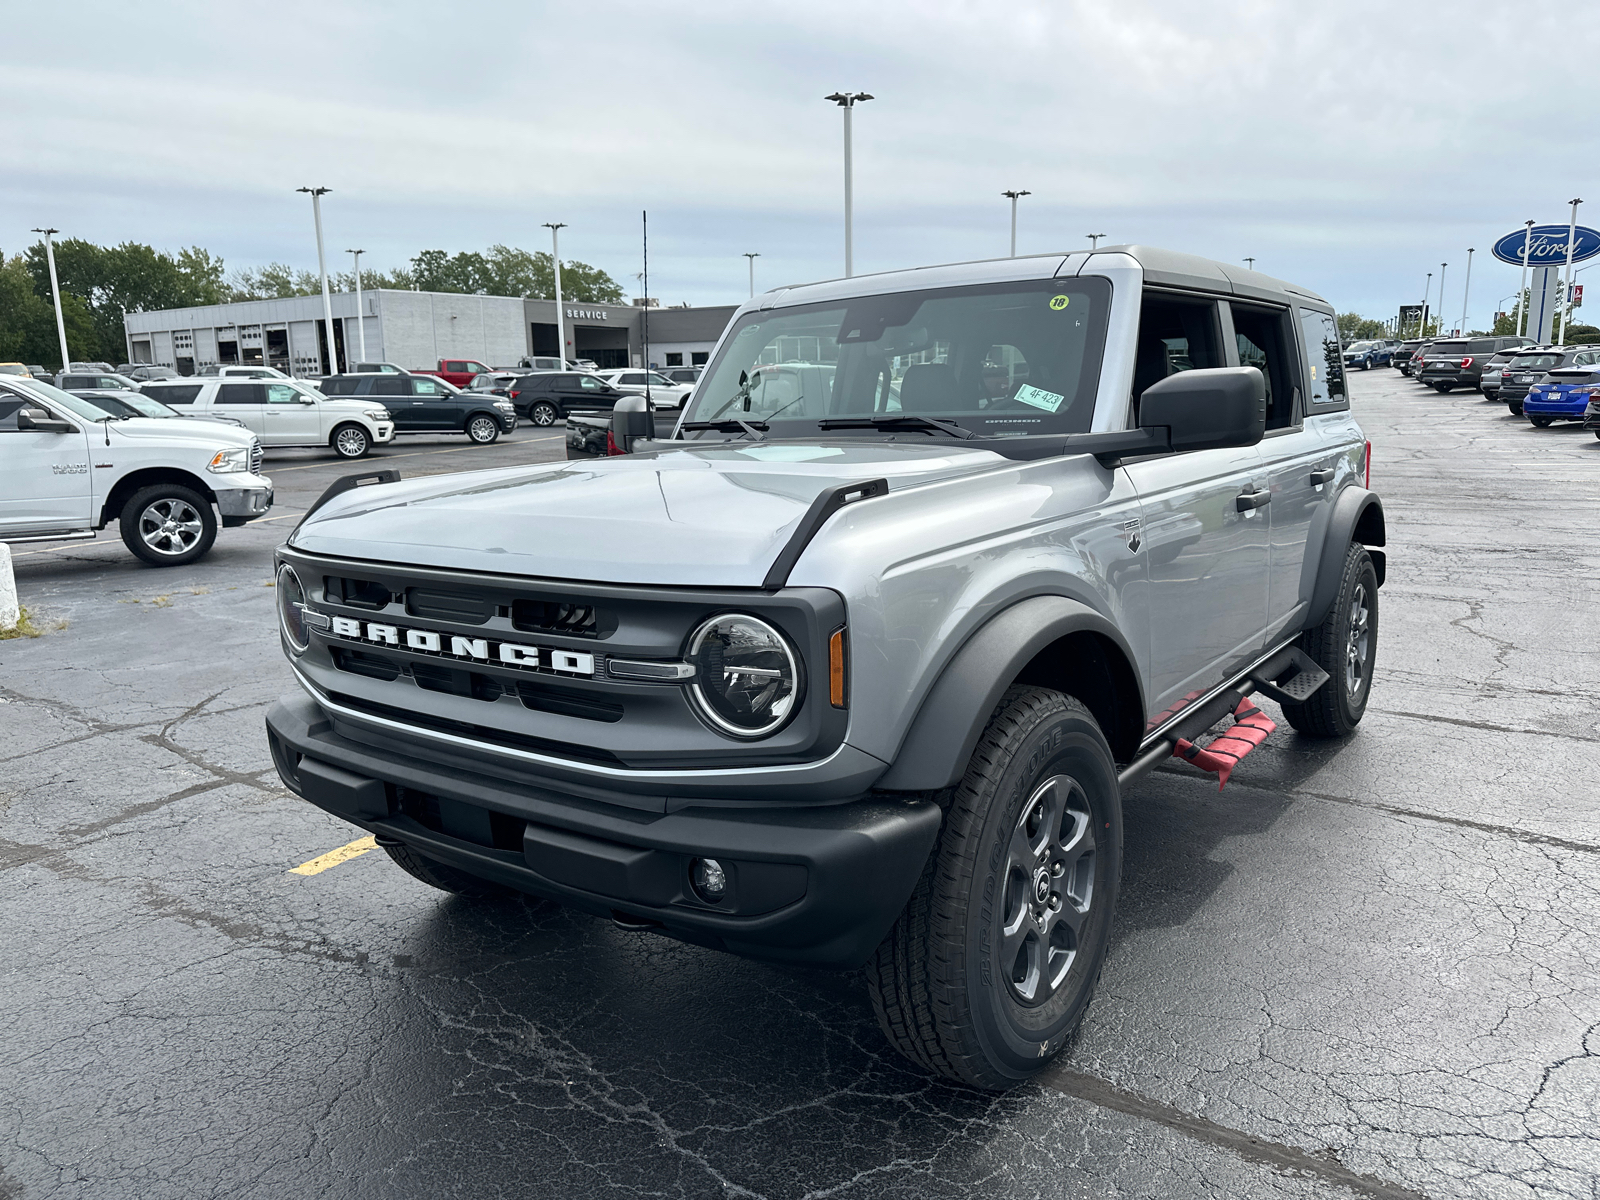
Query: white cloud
{"points": [[1350, 147]]}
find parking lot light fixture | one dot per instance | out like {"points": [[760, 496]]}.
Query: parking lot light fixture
{"points": [[1094, 240], [316, 195], [752, 256], [1250, 262], [1466, 290], [847, 101], [1566, 296], [55, 291], [1442, 267], [1522, 288], [1427, 290], [1014, 196], [555, 228], [361, 315]]}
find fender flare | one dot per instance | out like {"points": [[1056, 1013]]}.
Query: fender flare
{"points": [[943, 734], [1357, 517]]}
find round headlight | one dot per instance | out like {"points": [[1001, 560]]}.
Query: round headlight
{"points": [[747, 681], [291, 609]]}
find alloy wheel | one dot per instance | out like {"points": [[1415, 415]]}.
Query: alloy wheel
{"points": [[1049, 888], [170, 526], [482, 429], [1359, 643], [351, 443], [542, 414]]}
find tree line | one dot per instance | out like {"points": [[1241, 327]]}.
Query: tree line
{"points": [[99, 283]]}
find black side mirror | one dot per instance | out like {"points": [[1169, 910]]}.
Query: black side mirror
{"points": [[631, 419], [39, 421], [1209, 408]]}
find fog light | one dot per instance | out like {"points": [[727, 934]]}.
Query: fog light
{"points": [[709, 879]]}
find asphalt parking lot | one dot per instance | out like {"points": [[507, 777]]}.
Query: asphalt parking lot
{"points": [[1369, 968]]}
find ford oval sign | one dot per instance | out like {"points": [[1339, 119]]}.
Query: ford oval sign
{"points": [[1547, 246]]}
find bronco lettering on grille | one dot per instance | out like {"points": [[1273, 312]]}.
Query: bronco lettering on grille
{"points": [[449, 645]]}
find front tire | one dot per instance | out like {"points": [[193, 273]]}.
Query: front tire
{"points": [[483, 430], [168, 525], [350, 441], [992, 964], [441, 875], [1345, 645]]}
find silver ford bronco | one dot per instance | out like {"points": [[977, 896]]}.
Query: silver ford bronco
{"points": [[853, 668]]}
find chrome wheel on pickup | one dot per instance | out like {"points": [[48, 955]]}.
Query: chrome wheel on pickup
{"points": [[168, 525], [993, 963]]}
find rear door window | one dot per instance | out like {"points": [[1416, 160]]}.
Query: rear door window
{"points": [[1174, 335], [240, 393], [180, 394], [1324, 364], [390, 385], [1264, 338]]}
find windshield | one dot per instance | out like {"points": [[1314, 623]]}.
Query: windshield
{"points": [[999, 359], [1359, 346], [66, 400]]}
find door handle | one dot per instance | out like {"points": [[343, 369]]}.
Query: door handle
{"points": [[1250, 501], [1325, 475]]}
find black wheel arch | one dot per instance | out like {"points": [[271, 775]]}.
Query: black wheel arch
{"points": [[134, 480], [1357, 517], [1046, 641]]}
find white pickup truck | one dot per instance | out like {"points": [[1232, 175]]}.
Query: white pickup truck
{"points": [[282, 412], [68, 469]]}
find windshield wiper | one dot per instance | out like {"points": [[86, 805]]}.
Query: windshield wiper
{"points": [[902, 421], [755, 430]]}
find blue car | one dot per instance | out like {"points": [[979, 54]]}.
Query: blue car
{"points": [[1366, 355], [1562, 395]]}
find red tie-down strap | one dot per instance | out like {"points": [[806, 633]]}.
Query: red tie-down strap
{"points": [[1220, 755]]}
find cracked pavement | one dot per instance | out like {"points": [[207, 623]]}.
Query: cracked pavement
{"points": [[1363, 969]]}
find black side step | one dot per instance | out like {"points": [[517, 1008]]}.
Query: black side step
{"points": [[1289, 677]]}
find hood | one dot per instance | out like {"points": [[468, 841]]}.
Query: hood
{"points": [[712, 516], [185, 429]]}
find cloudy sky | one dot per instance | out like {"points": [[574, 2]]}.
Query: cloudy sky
{"points": [[1350, 147]]}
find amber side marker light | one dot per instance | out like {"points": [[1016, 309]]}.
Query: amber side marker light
{"points": [[836, 669]]}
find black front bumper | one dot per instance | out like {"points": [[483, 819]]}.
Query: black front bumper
{"points": [[817, 884]]}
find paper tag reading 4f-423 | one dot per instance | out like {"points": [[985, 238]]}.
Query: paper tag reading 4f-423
{"points": [[1039, 398]]}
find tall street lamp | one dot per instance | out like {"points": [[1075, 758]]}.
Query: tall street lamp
{"points": [[1466, 291], [1094, 240], [1014, 196], [847, 101], [1422, 321], [361, 313], [316, 195], [752, 256], [1442, 267], [1249, 262], [55, 291], [1572, 236], [555, 228], [1522, 288]]}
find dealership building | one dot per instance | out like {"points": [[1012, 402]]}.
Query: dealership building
{"points": [[415, 330]]}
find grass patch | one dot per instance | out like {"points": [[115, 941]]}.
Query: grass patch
{"points": [[25, 628]]}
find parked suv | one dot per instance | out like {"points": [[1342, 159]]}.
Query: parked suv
{"points": [[1400, 356], [95, 381], [69, 469], [1367, 355], [1529, 368], [1563, 394], [663, 393], [1489, 381], [428, 404], [1459, 362], [549, 396], [858, 675], [283, 412]]}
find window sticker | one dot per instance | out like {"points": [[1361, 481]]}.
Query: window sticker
{"points": [[1057, 303], [1039, 398]]}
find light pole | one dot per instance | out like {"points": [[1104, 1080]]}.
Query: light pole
{"points": [[847, 101], [1466, 290], [1572, 236], [1422, 321], [361, 313], [1249, 262], [1094, 240], [55, 291], [555, 228], [1014, 196], [316, 195], [752, 256], [1442, 267], [1522, 288]]}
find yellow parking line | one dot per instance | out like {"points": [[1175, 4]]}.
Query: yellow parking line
{"points": [[334, 857]]}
